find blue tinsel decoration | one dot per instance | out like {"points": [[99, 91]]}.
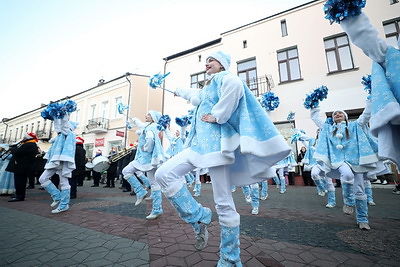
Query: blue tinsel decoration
{"points": [[163, 122], [338, 10], [58, 110], [297, 135], [366, 81], [312, 100], [121, 108], [157, 79], [270, 101], [291, 115], [69, 105], [183, 121]]}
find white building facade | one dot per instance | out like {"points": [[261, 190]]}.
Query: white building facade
{"points": [[99, 122], [290, 53]]}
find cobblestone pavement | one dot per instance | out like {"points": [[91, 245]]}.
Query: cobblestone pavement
{"points": [[104, 228]]}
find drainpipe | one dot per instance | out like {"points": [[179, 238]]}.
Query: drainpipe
{"points": [[163, 91], [128, 110]]}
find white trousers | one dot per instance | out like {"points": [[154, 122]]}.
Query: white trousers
{"points": [[169, 176], [44, 179], [129, 170]]}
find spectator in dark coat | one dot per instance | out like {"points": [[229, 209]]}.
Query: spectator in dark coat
{"points": [[79, 173], [22, 164]]}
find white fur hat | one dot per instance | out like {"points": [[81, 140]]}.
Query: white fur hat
{"points": [[222, 58], [342, 111], [155, 115]]}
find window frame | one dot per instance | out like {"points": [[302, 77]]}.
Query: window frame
{"points": [[396, 34], [335, 49], [251, 82], [284, 30], [287, 61], [198, 83]]}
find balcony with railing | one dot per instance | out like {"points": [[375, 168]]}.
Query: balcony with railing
{"points": [[260, 85], [43, 135], [98, 125]]}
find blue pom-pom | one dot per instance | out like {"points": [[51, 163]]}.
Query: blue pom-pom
{"points": [[338, 10], [291, 115], [46, 115], [58, 110], [366, 81], [121, 108], [183, 121], [312, 100], [163, 122], [298, 134], [157, 79], [270, 101], [69, 106]]}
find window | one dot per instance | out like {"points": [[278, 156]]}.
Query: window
{"points": [[197, 80], [289, 65], [244, 43], [284, 28], [247, 72], [38, 126], [21, 133], [392, 31], [117, 100], [394, 2], [16, 134], [104, 111], [77, 115], [32, 127], [338, 53], [199, 58], [92, 111]]}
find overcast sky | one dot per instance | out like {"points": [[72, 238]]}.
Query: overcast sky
{"points": [[50, 49]]}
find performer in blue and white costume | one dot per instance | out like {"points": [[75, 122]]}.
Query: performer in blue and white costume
{"points": [[6, 178], [282, 168], [148, 157], [233, 137], [324, 184], [61, 155], [385, 76], [344, 147], [176, 146]]}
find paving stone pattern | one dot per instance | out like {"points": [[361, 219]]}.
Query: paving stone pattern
{"points": [[104, 228]]}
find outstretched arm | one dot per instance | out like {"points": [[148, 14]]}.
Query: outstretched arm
{"points": [[316, 118], [186, 93], [365, 36], [366, 115], [138, 123]]}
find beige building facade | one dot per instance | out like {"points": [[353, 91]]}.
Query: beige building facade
{"points": [[99, 122], [290, 53]]}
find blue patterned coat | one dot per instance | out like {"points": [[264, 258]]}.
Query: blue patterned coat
{"points": [[385, 76], [149, 153], [243, 137], [61, 155]]}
